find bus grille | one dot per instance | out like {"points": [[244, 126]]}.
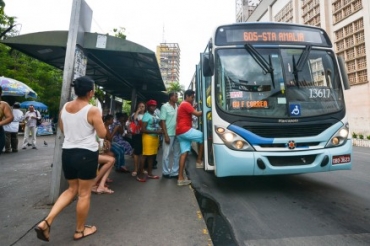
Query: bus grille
{"points": [[288, 131], [283, 161]]}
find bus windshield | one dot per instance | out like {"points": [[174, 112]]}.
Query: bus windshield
{"points": [[277, 82]]}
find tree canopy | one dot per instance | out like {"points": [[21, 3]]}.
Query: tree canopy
{"points": [[44, 79], [176, 87]]}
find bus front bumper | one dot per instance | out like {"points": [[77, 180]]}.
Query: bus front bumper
{"points": [[248, 163]]}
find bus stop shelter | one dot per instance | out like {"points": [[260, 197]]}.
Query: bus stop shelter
{"points": [[121, 68]]}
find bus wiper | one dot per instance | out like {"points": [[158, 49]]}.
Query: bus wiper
{"points": [[297, 67], [303, 58], [266, 66]]}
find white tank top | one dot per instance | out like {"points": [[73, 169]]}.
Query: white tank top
{"points": [[78, 132]]}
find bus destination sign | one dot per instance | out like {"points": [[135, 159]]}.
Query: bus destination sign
{"points": [[272, 33], [288, 36]]}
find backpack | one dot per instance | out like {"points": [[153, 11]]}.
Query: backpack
{"points": [[38, 121]]}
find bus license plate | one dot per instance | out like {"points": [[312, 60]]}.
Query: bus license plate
{"points": [[339, 159]]}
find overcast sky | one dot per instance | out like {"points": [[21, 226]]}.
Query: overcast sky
{"points": [[189, 23]]}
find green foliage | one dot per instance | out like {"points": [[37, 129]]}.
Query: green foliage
{"points": [[119, 32], [361, 136], [126, 107], [44, 79], [176, 87], [368, 137], [5, 21], [99, 94], [354, 135]]}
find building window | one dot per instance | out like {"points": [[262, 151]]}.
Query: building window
{"points": [[343, 8], [352, 78], [361, 63], [351, 66], [340, 45], [350, 41], [339, 34], [362, 76], [361, 51], [360, 37], [350, 54], [285, 14]]}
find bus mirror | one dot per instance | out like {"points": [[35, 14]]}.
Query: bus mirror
{"points": [[208, 65], [343, 72]]}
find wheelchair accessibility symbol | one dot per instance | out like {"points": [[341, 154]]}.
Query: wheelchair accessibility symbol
{"points": [[295, 109]]}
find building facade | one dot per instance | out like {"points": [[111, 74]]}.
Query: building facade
{"points": [[168, 56], [348, 26]]}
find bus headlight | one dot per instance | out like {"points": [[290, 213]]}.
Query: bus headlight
{"points": [[340, 137], [232, 140]]}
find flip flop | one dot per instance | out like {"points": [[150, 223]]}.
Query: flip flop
{"points": [[153, 177], [40, 232], [105, 191], [83, 232], [140, 179], [94, 189]]}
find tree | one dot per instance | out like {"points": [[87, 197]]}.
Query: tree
{"points": [[176, 87], [126, 107], [6, 22], [119, 32], [44, 79]]}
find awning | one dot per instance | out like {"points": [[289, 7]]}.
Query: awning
{"points": [[119, 67]]}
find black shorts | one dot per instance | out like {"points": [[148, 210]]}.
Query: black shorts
{"points": [[79, 164], [137, 143]]}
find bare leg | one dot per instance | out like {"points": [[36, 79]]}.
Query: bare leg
{"points": [[150, 164], [107, 162], [63, 201], [141, 167], [182, 165], [136, 163], [200, 152], [83, 203]]}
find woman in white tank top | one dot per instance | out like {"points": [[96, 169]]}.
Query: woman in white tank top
{"points": [[80, 122]]}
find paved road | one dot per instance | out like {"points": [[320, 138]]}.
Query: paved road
{"points": [[313, 209]]}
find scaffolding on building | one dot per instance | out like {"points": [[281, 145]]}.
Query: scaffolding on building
{"points": [[168, 55]]}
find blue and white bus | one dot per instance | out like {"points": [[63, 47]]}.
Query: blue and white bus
{"points": [[272, 100]]}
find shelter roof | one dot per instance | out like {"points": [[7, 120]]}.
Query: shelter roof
{"points": [[119, 67]]}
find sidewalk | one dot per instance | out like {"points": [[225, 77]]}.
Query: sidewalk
{"points": [[157, 212]]}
